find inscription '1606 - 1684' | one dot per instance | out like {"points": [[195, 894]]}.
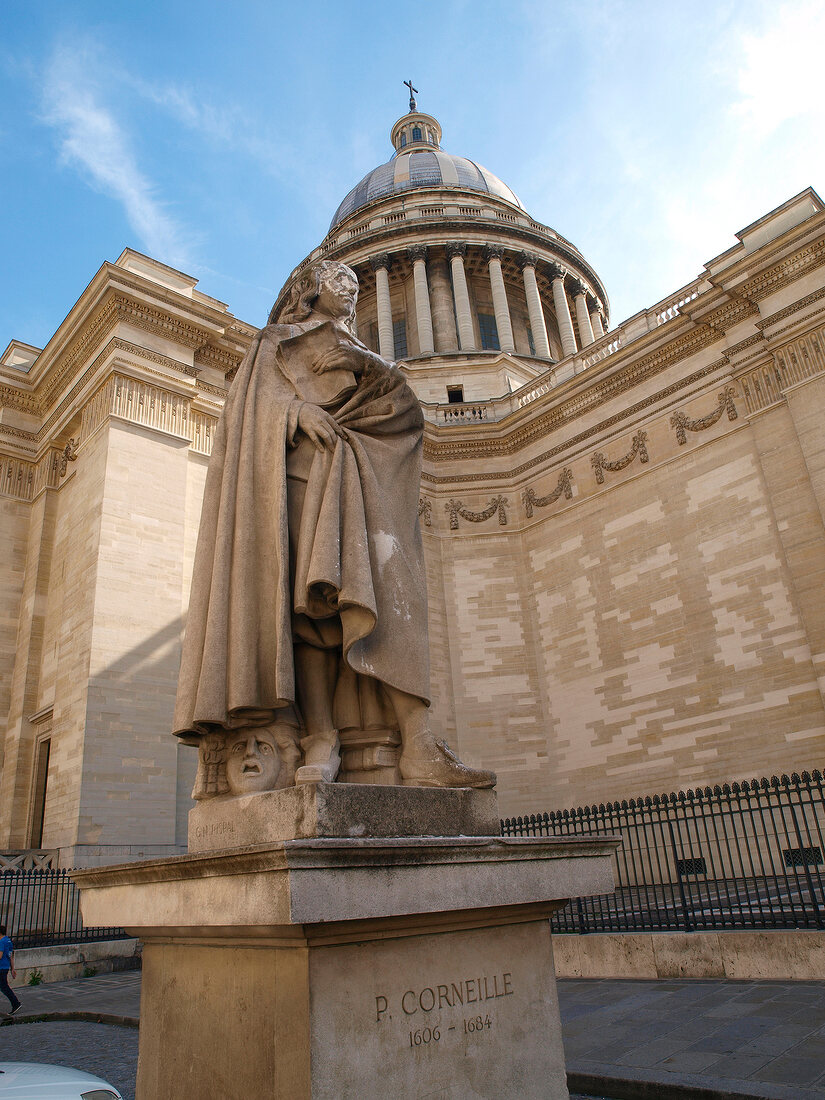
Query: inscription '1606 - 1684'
{"points": [[430, 1005]]}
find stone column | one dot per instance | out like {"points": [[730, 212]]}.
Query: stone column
{"points": [[456, 252], [386, 338], [563, 319], [493, 254], [534, 309], [582, 315], [595, 307], [446, 338], [423, 316]]}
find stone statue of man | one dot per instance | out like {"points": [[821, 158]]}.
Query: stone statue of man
{"points": [[308, 584]]}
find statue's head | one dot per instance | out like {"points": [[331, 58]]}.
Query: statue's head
{"points": [[323, 279], [252, 761]]}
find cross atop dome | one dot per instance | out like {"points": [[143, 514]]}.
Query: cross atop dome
{"points": [[413, 93]]}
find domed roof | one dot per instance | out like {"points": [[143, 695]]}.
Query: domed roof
{"points": [[420, 162]]}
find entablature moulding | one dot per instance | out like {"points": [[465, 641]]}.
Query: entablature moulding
{"points": [[560, 476], [135, 304], [397, 244], [80, 376], [671, 337], [580, 474]]}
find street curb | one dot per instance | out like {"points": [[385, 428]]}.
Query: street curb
{"points": [[665, 1088], [83, 1017]]}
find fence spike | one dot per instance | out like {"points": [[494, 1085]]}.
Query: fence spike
{"points": [[795, 778], [816, 774], [806, 777]]}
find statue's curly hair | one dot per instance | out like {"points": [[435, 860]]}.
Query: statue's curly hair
{"points": [[304, 292]]}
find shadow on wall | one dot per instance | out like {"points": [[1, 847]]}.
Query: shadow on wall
{"points": [[136, 779]]}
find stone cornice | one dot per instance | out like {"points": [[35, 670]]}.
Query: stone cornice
{"points": [[114, 309], [578, 440], [724, 316], [785, 272], [222, 359], [19, 399], [577, 405], [789, 311], [109, 359]]}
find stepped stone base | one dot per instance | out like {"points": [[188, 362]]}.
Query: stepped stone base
{"points": [[341, 810], [328, 967]]}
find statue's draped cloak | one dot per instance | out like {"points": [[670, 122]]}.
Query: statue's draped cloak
{"points": [[358, 555]]}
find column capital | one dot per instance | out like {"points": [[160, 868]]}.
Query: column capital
{"points": [[578, 287], [381, 260], [556, 271], [492, 252], [417, 252], [594, 304], [456, 248], [527, 259]]}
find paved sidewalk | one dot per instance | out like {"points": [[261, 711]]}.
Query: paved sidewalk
{"points": [[655, 1039], [739, 1038], [109, 995]]}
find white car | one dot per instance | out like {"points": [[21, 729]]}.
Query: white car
{"points": [[36, 1081]]}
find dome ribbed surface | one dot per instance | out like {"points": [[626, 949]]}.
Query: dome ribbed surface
{"points": [[421, 169]]}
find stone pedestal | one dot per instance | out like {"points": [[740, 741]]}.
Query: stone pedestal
{"points": [[350, 967]]}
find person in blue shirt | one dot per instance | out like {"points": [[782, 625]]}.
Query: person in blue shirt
{"points": [[6, 966]]}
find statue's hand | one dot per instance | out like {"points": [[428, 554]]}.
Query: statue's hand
{"points": [[319, 426], [349, 357]]}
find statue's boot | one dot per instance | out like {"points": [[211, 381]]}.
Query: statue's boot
{"points": [[426, 762], [322, 758]]}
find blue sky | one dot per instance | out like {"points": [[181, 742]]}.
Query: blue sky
{"points": [[220, 137]]}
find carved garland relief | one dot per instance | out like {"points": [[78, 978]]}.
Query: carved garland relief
{"points": [[683, 423], [455, 509], [600, 463], [565, 485]]}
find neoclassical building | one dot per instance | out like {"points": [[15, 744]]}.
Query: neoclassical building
{"points": [[623, 525]]}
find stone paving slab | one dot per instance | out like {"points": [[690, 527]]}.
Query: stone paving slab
{"points": [[111, 994], [757, 1039]]}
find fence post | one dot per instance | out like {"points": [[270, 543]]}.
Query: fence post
{"points": [[682, 898], [811, 891], [580, 914]]}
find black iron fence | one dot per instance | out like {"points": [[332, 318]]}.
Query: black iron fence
{"points": [[42, 907], [737, 856]]}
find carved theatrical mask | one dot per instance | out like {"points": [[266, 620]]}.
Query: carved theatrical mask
{"points": [[252, 761]]}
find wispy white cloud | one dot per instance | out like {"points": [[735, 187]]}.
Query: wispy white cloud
{"points": [[779, 74], [92, 140], [683, 146]]}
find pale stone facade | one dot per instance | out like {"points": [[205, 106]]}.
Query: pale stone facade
{"points": [[623, 527]]}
